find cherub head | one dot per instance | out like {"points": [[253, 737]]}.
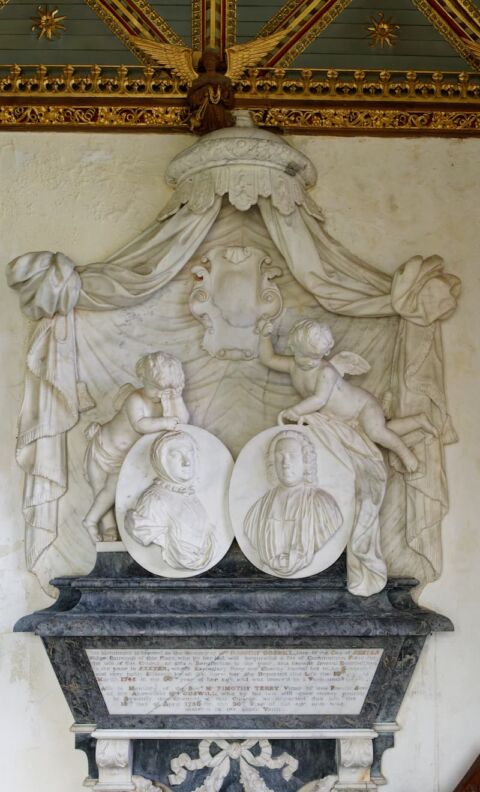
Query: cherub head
{"points": [[309, 341], [292, 459], [174, 457], [160, 372]]}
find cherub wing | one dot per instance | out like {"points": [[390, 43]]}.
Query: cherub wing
{"points": [[172, 56], [242, 56], [122, 395], [349, 363]]}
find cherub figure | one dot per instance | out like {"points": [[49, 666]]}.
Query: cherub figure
{"points": [[155, 407], [320, 382]]}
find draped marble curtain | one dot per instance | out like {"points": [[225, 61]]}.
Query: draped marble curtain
{"points": [[92, 324]]}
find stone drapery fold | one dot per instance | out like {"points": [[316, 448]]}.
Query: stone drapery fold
{"points": [[46, 283], [49, 289], [422, 294], [366, 568]]}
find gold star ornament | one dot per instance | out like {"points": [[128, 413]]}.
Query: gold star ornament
{"points": [[381, 31], [48, 23]]}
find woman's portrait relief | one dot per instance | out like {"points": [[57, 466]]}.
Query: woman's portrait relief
{"points": [[169, 513], [171, 502]]}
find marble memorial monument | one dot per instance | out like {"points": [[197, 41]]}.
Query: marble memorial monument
{"points": [[230, 330]]}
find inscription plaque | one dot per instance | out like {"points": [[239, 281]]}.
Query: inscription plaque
{"points": [[234, 681]]}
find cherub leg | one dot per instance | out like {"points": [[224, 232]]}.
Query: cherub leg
{"points": [[95, 475], [104, 501], [403, 426], [373, 422], [109, 530]]}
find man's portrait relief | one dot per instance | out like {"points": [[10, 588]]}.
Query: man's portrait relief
{"points": [[295, 518], [292, 502], [171, 502]]}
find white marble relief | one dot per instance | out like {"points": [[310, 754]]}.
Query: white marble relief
{"points": [[321, 383], [292, 502], [247, 164], [234, 289], [157, 405], [94, 321], [293, 521], [114, 760], [169, 514], [333, 406], [218, 755], [354, 763], [171, 502]]}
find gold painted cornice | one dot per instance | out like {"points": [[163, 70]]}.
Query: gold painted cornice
{"points": [[310, 101]]}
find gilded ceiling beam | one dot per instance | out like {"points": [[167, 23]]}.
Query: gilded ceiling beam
{"points": [[459, 23], [214, 24], [127, 18], [303, 21], [313, 101], [284, 88]]}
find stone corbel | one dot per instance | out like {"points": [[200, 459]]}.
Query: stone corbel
{"points": [[354, 762], [114, 762], [86, 743], [384, 741]]}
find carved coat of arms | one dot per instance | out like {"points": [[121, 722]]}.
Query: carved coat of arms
{"points": [[233, 290]]}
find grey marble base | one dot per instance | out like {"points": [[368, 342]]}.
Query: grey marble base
{"points": [[120, 605]]}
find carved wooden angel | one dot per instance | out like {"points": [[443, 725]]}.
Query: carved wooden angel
{"points": [[210, 95]]}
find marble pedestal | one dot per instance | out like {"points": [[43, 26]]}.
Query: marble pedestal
{"points": [[339, 668]]}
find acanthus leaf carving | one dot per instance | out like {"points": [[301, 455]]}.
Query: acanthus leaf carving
{"points": [[356, 752], [112, 753]]}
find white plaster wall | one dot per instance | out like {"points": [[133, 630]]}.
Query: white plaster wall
{"points": [[386, 199]]}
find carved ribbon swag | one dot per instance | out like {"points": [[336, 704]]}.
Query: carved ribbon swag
{"points": [[219, 764], [249, 168]]}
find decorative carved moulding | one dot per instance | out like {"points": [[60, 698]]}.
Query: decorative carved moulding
{"points": [[104, 117], [278, 84], [298, 100], [371, 119]]}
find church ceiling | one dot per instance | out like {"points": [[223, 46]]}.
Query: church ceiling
{"points": [[359, 51]]}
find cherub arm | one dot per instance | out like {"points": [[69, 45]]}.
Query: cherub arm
{"points": [[325, 383], [267, 353], [145, 424]]}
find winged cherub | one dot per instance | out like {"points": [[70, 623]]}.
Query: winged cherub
{"points": [[321, 384], [210, 94]]}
